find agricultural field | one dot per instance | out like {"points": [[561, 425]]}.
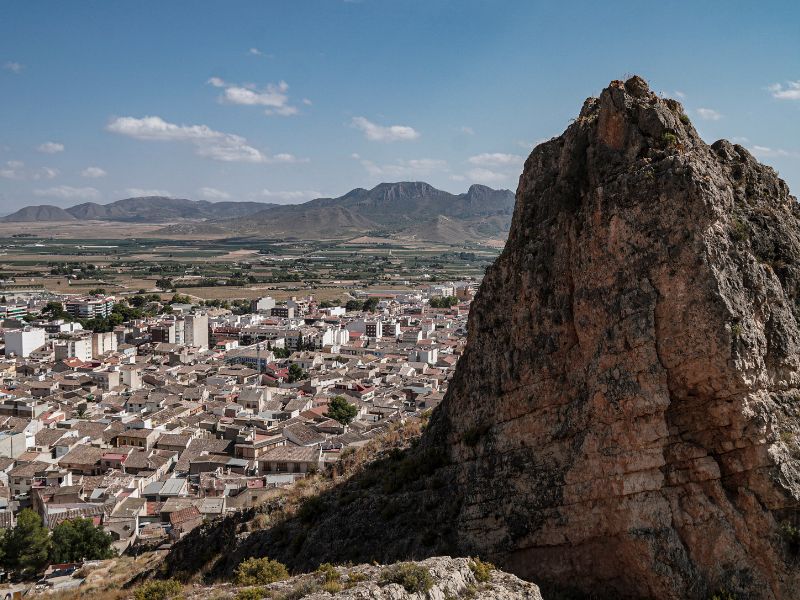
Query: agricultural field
{"points": [[231, 268]]}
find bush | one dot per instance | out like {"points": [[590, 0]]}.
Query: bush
{"points": [[329, 573], [791, 535], [670, 139], [301, 590], [481, 570], [413, 578], [332, 587], [253, 593], [739, 230], [260, 571], [685, 119], [355, 578], [158, 590]]}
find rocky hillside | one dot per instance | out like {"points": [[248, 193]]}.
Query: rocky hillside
{"points": [[146, 209], [625, 418], [434, 578], [410, 210], [624, 422], [41, 212]]}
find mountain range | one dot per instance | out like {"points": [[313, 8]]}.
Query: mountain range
{"points": [[412, 210]]}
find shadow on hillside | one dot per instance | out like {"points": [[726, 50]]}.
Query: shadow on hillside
{"points": [[400, 506]]}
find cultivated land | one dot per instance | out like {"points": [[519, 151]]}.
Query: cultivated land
{"points": [[65, 258]]}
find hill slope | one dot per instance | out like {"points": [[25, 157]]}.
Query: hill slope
{"points": [[413, 210], [146, 209], [42, 212], [405, 209]]}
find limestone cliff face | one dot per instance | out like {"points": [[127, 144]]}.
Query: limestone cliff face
{"points": [[625, 418]]}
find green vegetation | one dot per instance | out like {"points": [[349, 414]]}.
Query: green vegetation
{"points": [[413, 578], [368, 305], [26, 546], [791, 535], [481, 570], [253, 593], [79, 539], [685, 119], [443, 302], [341, 410], [158, 590], [260, 571], [739, 230], [296, 373], [670, 139]]}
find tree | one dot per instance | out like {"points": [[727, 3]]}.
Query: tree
{"points": [[55, 310], [27, 545], [78, 539], [341, 410], [296, 373], [353, 305], [165, 283], [370, 304]]}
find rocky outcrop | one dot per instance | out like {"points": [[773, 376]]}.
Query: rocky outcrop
{"points": [[448, 579], [625, 417]]}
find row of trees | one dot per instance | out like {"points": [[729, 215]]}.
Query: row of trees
{"points": [[368, 305], [28, 547]]}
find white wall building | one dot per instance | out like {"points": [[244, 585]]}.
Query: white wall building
{"points": [[22, 342]]}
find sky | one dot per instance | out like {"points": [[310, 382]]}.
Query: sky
{"points": [[284, 101]]}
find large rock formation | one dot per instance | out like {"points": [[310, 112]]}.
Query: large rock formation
{"points": [[624, 419]]}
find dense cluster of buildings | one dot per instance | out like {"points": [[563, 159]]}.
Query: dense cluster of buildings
{"points": [[162, 422]]}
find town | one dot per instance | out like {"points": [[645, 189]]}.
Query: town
{"points": [[149, 416]]}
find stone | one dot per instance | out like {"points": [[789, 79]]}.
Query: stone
{"points": [[633, 359]]}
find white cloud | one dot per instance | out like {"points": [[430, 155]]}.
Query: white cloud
{"points": [[209, 143], [144, 192], [771, 152], [709, 114], [93, 172], [209, 193], [15, 169], [307, 102], [741, 139], [67, 192], [415, 167], [380, 133], [467, 130], [488, 176], [679, 94], [14, 67], [255, 52], [50, 148], [274, 96], [496, 159], [790, 91], [289, 196]]}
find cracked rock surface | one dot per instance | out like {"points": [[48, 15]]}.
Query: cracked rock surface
{"points": [[625, 417]]}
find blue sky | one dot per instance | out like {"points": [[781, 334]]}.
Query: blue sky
{"points": [[281, 101]]}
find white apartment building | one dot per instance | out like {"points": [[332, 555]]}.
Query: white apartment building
{"points": [[74, 347], [21, 342]]}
